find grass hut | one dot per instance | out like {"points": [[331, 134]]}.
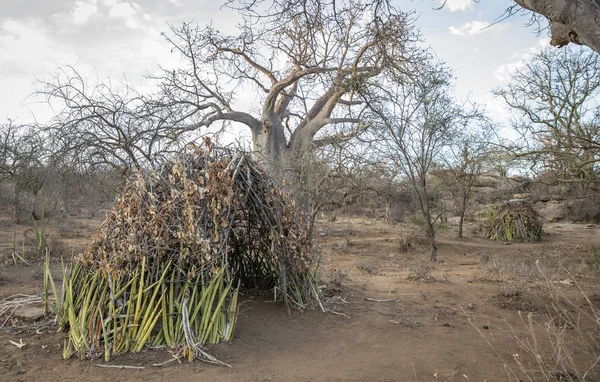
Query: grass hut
{"points": [[176, 250], [514, 222]]}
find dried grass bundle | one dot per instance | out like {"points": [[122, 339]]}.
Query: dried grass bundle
{"points": [[514, 222], [172, 255]]}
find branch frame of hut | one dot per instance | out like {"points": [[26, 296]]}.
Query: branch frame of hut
{"points": [[174, 253], [513, 222]]}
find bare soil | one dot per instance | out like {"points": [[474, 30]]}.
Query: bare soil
{"points": [[387, 319]]}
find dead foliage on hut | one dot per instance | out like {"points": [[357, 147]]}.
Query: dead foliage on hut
{"points": [[176, 250], [514, 222]]}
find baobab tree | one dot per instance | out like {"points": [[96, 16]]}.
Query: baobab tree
{"points": [[291, 75], [571, 21], [302, 66]]}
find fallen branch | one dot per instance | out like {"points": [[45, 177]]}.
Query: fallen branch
{"points": [[338, 313], [161, 364], [121, 367], [377, 300]]}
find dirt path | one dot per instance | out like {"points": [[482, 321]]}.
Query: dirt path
{"points": [[420, 332]]}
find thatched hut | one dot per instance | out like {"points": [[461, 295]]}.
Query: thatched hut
{"points": [[513, 222], [176, 250]]}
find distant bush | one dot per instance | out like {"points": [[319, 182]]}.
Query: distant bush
{"points": [[585, 209]]}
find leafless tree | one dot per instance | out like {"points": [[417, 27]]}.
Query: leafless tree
{"points": [[569, 21], [417, 122], [554, 99], [326, 179], [104, 123], [302, 65], [22, 153], [502, 160], [463, 163]]}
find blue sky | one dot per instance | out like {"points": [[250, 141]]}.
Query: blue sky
{"points": [[116, 38]]}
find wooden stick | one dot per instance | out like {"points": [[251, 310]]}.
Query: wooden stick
{"points": [[161, 364], [121, 367], [338, 313], [377, 300]]}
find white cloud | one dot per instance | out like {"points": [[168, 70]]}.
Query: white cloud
{"points": [[504, 72], [27, 44], [109, 3], [123, 10], [127, 11], [458, 5], [83, 11], [27, 51], [132, 23], [157, 50], [473, 28]]}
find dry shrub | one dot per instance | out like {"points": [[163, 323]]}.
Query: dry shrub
{"points": [[58, 246], [516, 297], [366, 266], [404, 243], [502, 269], [564, 343], [514, 222], [176, 248], [402, 205], [584, 209], [561, 341], [420, 272], [337, 276], [410, 240]]}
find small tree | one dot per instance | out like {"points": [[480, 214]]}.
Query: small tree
{"points": [[21, 159], [463, 164], [417, 121]]}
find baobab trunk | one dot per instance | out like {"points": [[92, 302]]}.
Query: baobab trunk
{"points": [[279, 158], [268, 146], [571, 21]]}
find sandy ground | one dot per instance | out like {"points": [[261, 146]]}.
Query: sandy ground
{"points": [[387, 319]]}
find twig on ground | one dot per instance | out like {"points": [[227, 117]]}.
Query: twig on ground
{"points": [[161, 364], [338, 313], [121, 367], [378, 300]]}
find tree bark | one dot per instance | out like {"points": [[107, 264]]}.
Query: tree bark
{"points": [[460, 224], [429, 230], [571, 21], [431, 235], [272, 151], [16, 203], [268, 146]]}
